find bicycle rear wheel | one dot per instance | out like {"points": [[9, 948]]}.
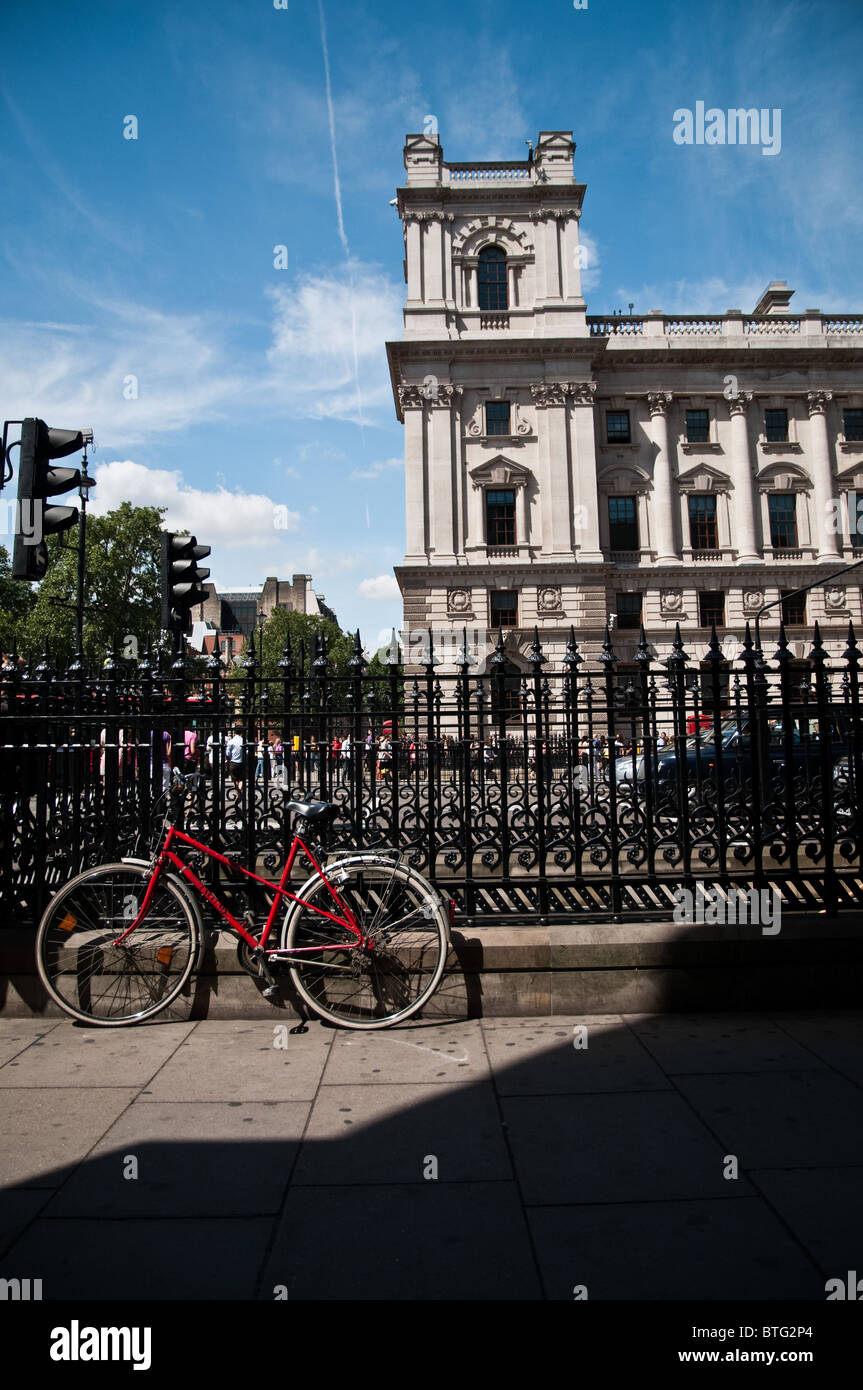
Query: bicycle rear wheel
{"points": [[374, 987], [91, 977]]}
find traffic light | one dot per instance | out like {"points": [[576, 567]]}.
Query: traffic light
{"points": [[182, 589], [37, 480]]}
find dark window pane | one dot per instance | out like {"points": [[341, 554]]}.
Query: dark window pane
{"points": [[491, 277], [776, 426], [711, 609], [629, 611], [504, 608], [497, 417], [617, 426], [702, 522], [793, 609], [783, 519], [500, 517], [623, 523], [853, 426], [697, 427]]}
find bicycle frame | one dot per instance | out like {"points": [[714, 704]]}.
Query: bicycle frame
{"points": [[168, 856]]}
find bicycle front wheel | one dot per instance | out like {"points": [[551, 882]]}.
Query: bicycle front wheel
{"points": [[376, 986], [88, 973]]}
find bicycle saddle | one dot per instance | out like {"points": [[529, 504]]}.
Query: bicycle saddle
{"points": [[312, 810]]}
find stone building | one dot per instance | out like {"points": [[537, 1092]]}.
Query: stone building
{"points": [[229, 618], [568, 469]]}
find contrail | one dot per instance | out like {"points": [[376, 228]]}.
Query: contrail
{"points": [[337, 188]]}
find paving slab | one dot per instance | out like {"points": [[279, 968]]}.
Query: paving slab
{"points": [[836, 1039], [540, 1057], [16, 1034], [46, 1131], [612, 1148], [824, 1209], [167, 1260], [199, 1159], [232, 1059], [73, 1056], [733, 1249], [18, 1207], [781, 1119], [386, 1134], [718, 1042], [446, 1054], [429, 1241]]}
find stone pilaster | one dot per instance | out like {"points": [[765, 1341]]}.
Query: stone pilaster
{"points": [[825, 537], [744, 535], [663, 483]]}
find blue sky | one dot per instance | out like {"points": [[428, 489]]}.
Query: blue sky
{"points": [[261, 388]]}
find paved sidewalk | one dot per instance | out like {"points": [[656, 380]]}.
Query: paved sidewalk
{"points": [[484, 1159]]}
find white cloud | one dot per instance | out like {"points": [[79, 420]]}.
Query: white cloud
{"points": [[375, 470], [383, 587], [229, 520]]}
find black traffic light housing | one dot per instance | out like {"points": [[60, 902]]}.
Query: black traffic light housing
{"points": [[182, 589], [37, 480]]}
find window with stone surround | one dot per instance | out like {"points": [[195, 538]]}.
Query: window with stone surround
{"points": [[497, 417], [793, 608], [623, 523], [852, 425], [491, 278], [500, 516], [776, 426], [697, 427], [782, 507], [503, 608], [702, 522], [711, 608], [617, 429], [629, 612]]}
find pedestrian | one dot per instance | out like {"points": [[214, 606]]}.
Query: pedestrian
{"points": [[259, 754], [347, 748], [190, 749], [337, 757], [279, 759], [234, 751]]}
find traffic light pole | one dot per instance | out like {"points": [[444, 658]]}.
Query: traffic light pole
{"points": [[82, 561]]}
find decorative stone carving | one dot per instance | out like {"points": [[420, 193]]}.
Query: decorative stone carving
{"points": [[547, 393], [549, 599], [670, 602], [561, 214], [817, 401], [459, 602], [583, 392], [658, 402], [738, 404], [753, 601], [448, 395], [834, 599], [411, 395]]}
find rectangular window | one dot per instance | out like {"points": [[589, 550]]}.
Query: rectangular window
{"points": [[853, 424], [617, 427], [783, 520], [500, 516], [504, 608], [793, 609], [702, 522], [629, 611], [711, 609], [697, 427], [497, 417], [623, 523], [776, 426]]}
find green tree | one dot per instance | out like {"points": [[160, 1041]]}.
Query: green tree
{"points": [[16, 600], [121, 596]]}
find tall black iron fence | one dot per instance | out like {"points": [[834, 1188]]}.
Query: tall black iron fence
{"points": [[562, 792]]}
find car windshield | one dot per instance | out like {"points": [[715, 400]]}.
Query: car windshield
{"points": [[805, 730]]}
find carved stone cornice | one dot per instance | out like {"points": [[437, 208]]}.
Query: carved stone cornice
{"points": [[543, 212], [428, 215], [582, 392], [411, 395], [547, 393], [447, 395], [414, 394], [817, 401], [739, 404], [658, 402]]}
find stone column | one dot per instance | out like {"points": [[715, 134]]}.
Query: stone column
{"points": [[824, 536], [521, 521], [440, 472], [663, 484], [413, 253], [433, 258], [554, 490], [475, 522], [411, 401], [744, 536], [586, 495]]}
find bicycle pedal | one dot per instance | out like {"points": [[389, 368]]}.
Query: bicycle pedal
{"points": [[271, 992]]}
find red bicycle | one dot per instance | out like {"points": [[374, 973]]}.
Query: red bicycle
{"points": [[365, 941]]}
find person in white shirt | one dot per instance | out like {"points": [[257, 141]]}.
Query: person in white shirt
{"points": [[234, 752]]}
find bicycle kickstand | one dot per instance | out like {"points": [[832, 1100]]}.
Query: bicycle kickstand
{"points": [[271, 989]]}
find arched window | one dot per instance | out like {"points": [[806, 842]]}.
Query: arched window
{"points": [[492, 278]]}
